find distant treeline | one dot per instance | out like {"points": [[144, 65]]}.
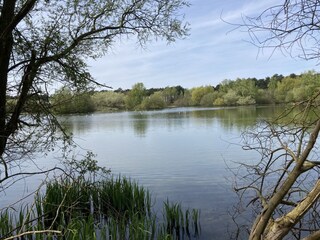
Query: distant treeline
{"points": [[245, 91]]}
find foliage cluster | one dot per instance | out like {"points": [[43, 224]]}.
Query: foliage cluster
{"points": [[65, 101], [270, 90]]}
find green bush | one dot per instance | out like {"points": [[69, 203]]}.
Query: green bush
{"points": [[184, 100], [208, 99], [231, 97], [108, 100], [246, 101], [219, 102], [198, 93], [155, 101]]}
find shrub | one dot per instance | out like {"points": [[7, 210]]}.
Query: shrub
{"points": [[231, 97], [108, 100], [208, 99], [218, 102], [155, 101], [246, 101]]}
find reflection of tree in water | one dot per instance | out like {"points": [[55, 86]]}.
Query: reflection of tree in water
{"points": [[237, 117], [172, 120], [140, 124], [76, 124]]}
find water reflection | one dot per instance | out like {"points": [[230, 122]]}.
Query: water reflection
{"points": [[139, 124], [237, 118], [229, 118], [232, 118], [180, 153]]}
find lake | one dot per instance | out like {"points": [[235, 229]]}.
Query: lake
{"points": [[182, 154]]}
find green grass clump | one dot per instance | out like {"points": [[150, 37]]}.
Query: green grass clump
{"points": [[180, 223], [65, 200], [115, 208], [124, 199]]}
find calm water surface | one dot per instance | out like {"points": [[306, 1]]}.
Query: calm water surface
{"points": [[181, 154]]}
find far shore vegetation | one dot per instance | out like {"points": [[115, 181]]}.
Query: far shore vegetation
{"points": [[277, 89]]}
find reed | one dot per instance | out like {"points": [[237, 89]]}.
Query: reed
{"points": [[179, 223], [122, 198], [116, 208]]}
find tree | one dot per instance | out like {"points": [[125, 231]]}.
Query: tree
{"points": [[64, 101], [262, 83], [44, 44], [170, 94], [272, 86], [231, 97], [154, 101], [198, 92], [285, 180], [135, 96], [184, 100], [283, 89], [108, 100], [245, 87], [208, 99]]}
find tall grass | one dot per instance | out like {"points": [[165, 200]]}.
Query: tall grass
{"points": [[179, 223], [117, 208]]}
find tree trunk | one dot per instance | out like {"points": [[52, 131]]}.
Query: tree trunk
{"points": [[6, 43], [313, 236], [280, 227], [264, 220]]}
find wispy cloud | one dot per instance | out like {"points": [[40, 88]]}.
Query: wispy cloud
{"points": [[210, 54]]}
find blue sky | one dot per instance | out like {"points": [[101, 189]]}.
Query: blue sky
{"points": [[213, 52]]}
